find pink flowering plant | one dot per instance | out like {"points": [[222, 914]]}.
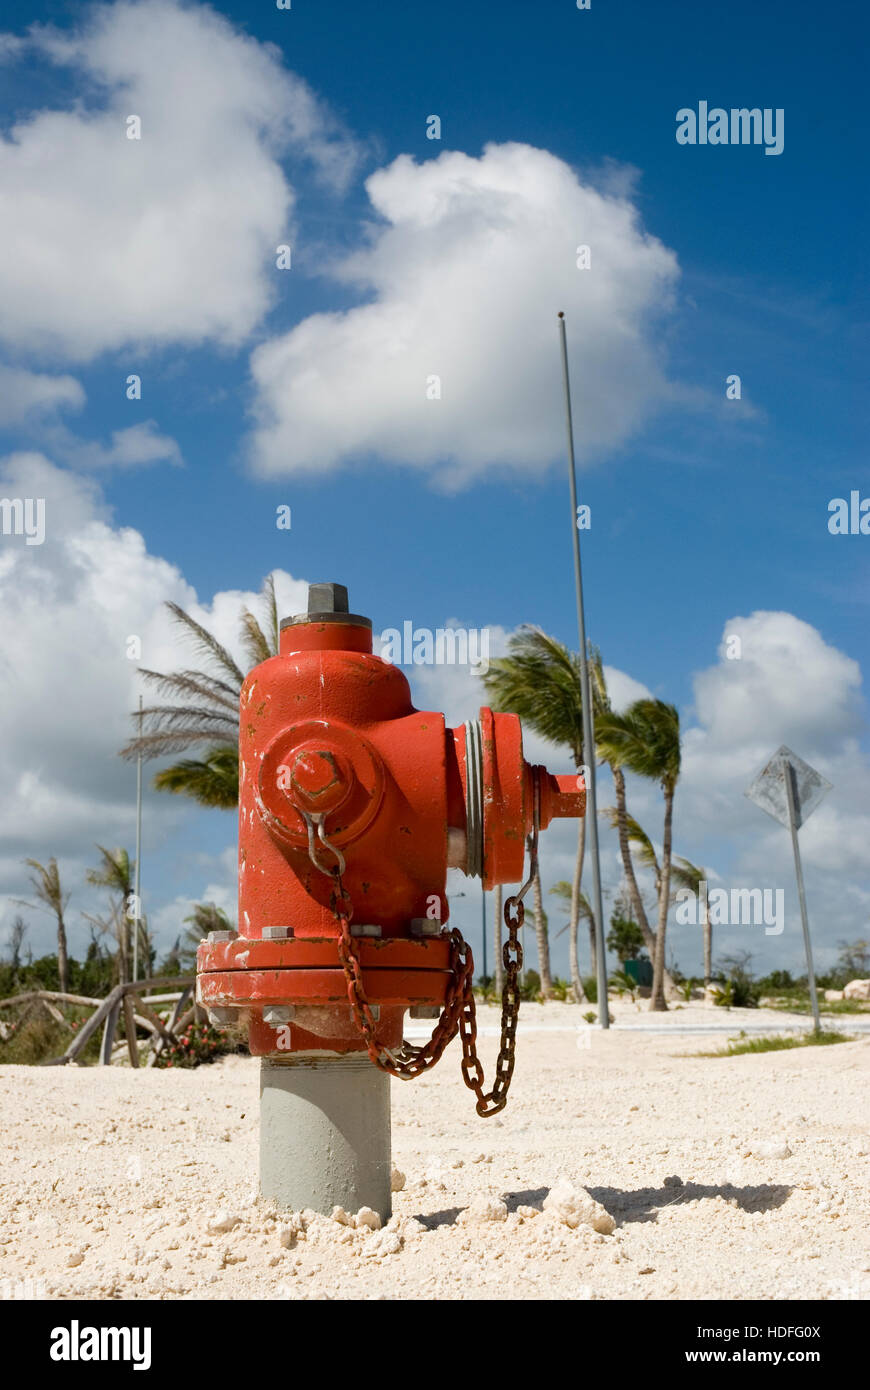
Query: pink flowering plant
{"points": [[198, 1043]]}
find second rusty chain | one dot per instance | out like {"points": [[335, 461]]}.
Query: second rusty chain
{"points": [[459, 1013]]}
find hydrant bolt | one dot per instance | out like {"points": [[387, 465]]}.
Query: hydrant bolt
{"points": [[279, 1013], [221, 1016], [426, 926]]}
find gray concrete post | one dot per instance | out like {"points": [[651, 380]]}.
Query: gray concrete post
{"points": [[325, 1133]]}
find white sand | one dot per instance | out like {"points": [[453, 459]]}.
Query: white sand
{"points": [[725, 1178]]}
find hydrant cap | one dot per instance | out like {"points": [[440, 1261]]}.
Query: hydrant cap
{"points": [[327, 603], [326, 597]]}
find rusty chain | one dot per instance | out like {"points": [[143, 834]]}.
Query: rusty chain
{"points": [[459, 1014]]}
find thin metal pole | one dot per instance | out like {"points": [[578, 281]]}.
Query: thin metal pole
{"points": [[788, 774], [588, 737], [483, 919], [138, 884]]}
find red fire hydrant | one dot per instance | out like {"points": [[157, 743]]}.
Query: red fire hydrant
{"points": [[352, 806]]}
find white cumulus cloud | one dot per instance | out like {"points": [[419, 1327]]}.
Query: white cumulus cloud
{"points": [[26, 396], [106, 240], [463, 273]]}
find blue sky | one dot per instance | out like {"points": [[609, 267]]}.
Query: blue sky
{"points": [[704, 511]]}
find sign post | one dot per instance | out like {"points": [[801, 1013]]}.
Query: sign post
{"points": [[790, 790]]}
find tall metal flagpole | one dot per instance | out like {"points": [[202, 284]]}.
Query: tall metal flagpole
{"points": [[588, 738], [483, 919], [138, 886]]}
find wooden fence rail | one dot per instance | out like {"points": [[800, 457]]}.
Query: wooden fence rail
{"points": [[137, 1012]]}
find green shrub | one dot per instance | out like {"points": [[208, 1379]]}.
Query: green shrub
{"points": [[737, 1046], [623, 983], [530, 989], [777, 981], [37, 1039], [198, 1043], [625, 938], [590, 988]]}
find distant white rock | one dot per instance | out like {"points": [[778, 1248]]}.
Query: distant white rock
{"points": [[832, 995], [857, 989]]}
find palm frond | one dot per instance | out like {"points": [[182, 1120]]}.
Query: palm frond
{"points": [[162, 717], [212, 781], [45, 881], [584, 913], [192, 683], [115, 871], [539, 680], [598, 682], [685, 874], [207, 643], [637, 835], [644, 739], [261, 644]]}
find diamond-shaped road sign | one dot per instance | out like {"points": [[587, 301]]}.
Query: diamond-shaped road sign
{"points": [[768, 790]]}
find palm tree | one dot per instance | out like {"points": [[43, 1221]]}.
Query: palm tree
{"points": [[206, 709], [539, 680], [687, 875], [684, 874], [541, 936], [17, 933], [205, 917], [116, 926], [45, 881], [609, 743], [116, 872], [579, 903], [645, 739], [636, 836]]}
